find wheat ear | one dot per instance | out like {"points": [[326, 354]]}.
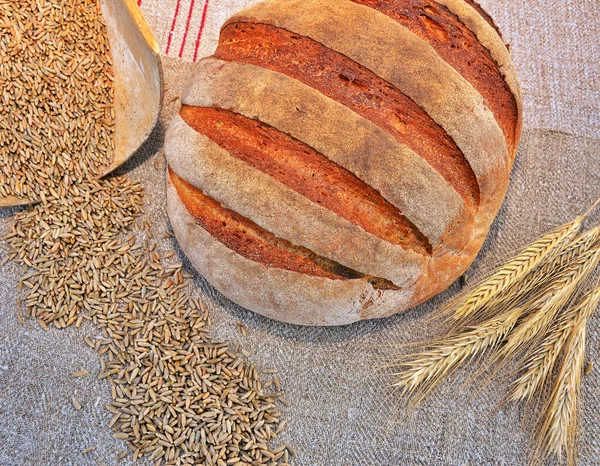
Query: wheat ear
{"points": [[545, 248], [558, 430], [547, 270], [580, 245], [539, 366], [516, 269], [545, 308], [423, 373]]}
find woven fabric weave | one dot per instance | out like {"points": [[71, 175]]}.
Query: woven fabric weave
{"points": [[342, 410]]}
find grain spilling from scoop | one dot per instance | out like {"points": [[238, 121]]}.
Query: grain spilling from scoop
{"points": [[57, 96], [177, 395]]}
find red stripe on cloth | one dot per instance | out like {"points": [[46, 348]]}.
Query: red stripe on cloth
{"points": [[187, 28], [173, 26], [202, 23]]}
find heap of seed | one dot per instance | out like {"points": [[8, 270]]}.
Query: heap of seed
{"points": [[56, 112], [72, 244], [177, 396]]}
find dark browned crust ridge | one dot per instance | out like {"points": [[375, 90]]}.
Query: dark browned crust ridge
{"points": [[461, 49], [485, 15], [249, 240], [307, 172], [356, 87]]}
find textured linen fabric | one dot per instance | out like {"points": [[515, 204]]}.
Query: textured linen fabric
{"points": [[342, 410]]}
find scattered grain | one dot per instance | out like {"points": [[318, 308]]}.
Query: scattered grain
{"points": [[77, 404], [177, 395], [292, 451], [174, 389], [280, 427], [241, 329]]}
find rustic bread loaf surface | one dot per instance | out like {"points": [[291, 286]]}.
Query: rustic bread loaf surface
{"points": [[338, 160]]}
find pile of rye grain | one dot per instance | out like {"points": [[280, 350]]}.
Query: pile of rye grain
{"points": [[178, 396], [56, 112]]}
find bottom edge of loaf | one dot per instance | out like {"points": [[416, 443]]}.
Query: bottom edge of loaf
{"points": [[282, 295]]}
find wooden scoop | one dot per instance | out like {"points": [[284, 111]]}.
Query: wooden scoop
{"points": [[138, 81]]}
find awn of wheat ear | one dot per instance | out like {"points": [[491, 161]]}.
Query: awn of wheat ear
{"points": [[524, 312]]}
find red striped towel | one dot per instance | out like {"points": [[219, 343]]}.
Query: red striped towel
{"points": [[189, 29]]}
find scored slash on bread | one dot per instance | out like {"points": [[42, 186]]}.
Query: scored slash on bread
{"points": [[273, 292], [365, 145], [250, 240], [255, 243], [288, 53], [280, 210], [307, 172], [460, 48], [399, 174]]}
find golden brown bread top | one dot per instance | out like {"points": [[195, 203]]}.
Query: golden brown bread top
{"points": [[307, 172], [351, 141], [240, 187], [460, 48], [355, 87], [356, 131], [250, 240], [423, 75], [280, 294]]}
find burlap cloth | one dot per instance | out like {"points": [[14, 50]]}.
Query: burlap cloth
{"points": [[342, 410]]}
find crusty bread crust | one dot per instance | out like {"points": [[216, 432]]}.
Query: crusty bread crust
{"points": [[406, 61], [275, 207], [351, 141], [400, 175], [302, 169], [242, 235], [458, 46], [279, 294], [351, 84], [491, 39]]}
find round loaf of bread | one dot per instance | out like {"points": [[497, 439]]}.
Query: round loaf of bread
{"points": [[339, 160]]}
